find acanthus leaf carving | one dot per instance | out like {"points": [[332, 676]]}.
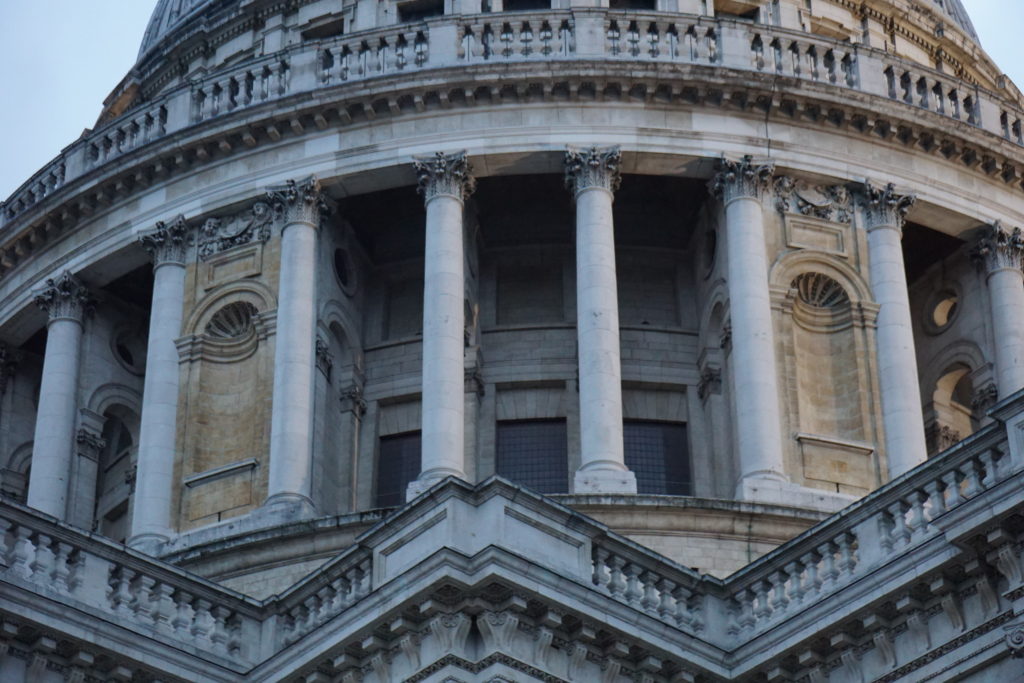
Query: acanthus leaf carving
{"points": [[998, 248], [883, 206], [444, 174], [168, 242], [299, 201], [746, 177], [65, 297], [592, 167]]}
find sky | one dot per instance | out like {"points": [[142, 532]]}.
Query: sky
{"points": [[60, 58]]}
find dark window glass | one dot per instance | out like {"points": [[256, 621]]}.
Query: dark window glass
{"points": [[418, 10], [631, 4], [657, 453], [398, 464], [525, 5], [534, 453]]}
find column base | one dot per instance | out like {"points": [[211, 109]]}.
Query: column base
{"points": [[282, 508], [774, 490], [604, 480], [148, 543]]}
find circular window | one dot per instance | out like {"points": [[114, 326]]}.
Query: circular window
{"points": [[344, 271], [129, 349], [942, 309]]}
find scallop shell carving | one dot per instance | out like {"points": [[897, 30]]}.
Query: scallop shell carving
{"points": [[231, 322], [820, 291]]}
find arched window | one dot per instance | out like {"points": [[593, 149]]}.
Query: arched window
{"points": [[949, 419], [114, 479]]}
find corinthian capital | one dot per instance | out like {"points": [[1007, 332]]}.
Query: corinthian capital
{"points": [[64, 297], [592, 167], [299, 202], [999, 248], [168, 242], [444, 174], [744, 178], [883, 206]]}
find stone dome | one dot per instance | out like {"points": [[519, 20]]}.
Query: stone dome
{"points": [[168, 15]]}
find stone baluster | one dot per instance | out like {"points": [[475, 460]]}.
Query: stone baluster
{"points": [[740, 185], [593, 176], [300, 207], [63, 563], [67, 301], [1001, 253], [633, 592], [203, 622], [445, 183], [24, 551], [897, 363], [168, 246]]}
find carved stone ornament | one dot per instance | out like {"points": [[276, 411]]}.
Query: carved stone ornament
{"points": [[324, 358], [984, 398], [743, 178], [65, 297], [820, 291], [234, 321], [999, 248], [218, 234], [1015, 639], [710, 382], [168, 242], [592, 167], [444, 174], [883, 206], [89, 443], [352, 400], [827, 202], [299, 202]]}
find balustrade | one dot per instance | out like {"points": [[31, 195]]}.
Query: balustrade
{"points": [[923, 88], [314, 604], [658, 38], [517, 38], [254, 84], [357, 58]]}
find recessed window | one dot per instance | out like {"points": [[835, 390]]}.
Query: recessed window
{"points": [[632, 4], [534, 453], [397, 465], [658, 454], [525, 5], [418, 10]]}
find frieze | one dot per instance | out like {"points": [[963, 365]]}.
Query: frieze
{"points": [[825, 202], [592, 167], [219, 234]]}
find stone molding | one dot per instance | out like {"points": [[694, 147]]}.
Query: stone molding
{"points": [[444, 175], [89, 443], [883, 206], [593, 167], [220, 234], [298, 202], [832, 203], [710, 382], [998, 248], [168, 243], [65, 298], [747, 178], [324, 357]]}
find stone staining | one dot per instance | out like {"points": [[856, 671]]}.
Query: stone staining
{"points": [[998, 248], [826, 202]]}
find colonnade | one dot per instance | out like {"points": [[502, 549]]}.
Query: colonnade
{"points": [[445, 181]]}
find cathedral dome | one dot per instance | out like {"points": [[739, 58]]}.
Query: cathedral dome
{"points": [[169, 15]]}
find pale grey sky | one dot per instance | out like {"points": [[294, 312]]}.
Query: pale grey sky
{"points": [[60, 58]]}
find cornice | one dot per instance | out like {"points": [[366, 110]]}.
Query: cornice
{"points": [[687, 86]]}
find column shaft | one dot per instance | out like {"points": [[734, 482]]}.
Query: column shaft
{"points": [[154, 479], [1001, 253], [444, 182], [755, 385], [897, 362], [291, 422], [53, 446], [593, 176]]}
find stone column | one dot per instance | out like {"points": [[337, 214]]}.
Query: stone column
{"points": [[168, 246], [1001, 252], [593, 176], [67, 301], [445, 183], [897, 363], [300, 207], [740, 185]]}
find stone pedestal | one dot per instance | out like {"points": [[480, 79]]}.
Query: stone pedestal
{"points": [[66, 301], [897, 363], [444, 182], [593, 176]]}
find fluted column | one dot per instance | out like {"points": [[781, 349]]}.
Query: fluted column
{"points": [[740, 185], [67, 301], [1001, 253], [168, 246], [445, 183], [592, 175], [299, 207], [897, 364]]}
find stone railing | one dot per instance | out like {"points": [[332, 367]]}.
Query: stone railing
{"points": [[584, 34], [128, 589]]}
